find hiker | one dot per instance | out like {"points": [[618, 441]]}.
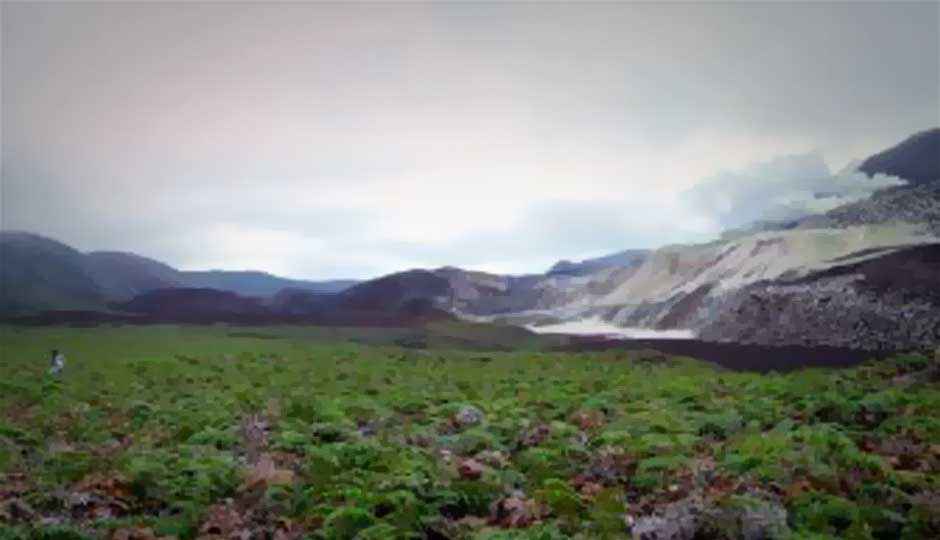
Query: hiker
{"points": [[56, 362]]}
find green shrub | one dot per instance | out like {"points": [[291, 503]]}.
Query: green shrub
{"points": [[560, 497], [347, 523]]}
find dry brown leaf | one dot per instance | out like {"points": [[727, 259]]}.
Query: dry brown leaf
{"points": [[223, 521], [588, 420], [516, 512], [138, 533], [798, 488], [589, 490], [265, 473], [113, 486]]}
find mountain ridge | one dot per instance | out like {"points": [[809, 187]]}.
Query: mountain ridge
{"points": [[915, 159], [719, 289], [39, 273]]}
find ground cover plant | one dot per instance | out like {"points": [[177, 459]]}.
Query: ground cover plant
{"points": [[299, 432]]}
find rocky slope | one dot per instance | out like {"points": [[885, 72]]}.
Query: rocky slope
{"points": [[861, 275], [623, 259], [691, 287], [879, 303], [906, 204], [916, 159], [714, 289]]}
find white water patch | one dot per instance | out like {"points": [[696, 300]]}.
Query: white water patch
{"points": [[596, 326]]}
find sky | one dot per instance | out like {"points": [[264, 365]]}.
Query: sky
{"points": [[353, 140]]}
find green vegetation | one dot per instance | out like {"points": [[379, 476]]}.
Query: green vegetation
{"points": [[338, 434]]}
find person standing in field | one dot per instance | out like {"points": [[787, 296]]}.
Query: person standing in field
{"points": [[56, 362]]}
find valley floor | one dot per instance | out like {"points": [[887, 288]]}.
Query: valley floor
{"points": [[292, 432]]}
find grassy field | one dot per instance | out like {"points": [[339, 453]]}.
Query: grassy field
{"points": [[334, 433]]}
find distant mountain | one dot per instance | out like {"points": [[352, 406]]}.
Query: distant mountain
{"points": [[400, 298], [623, 259], [916, 159], [253, 283], [125, 275], [396, 291], [38, 273]]}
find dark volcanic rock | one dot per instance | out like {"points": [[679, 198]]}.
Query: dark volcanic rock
{"points": [[916, 159], [909, 204], [193, 304], [887, 302]]}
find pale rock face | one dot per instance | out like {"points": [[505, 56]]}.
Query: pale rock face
{"points": [[691, 291]]}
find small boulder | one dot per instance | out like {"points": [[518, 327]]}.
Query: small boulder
{"points": [[468, 416], [470, 469], [516, 511], [493, 458], [446, 455], [536, 435], [677, 521], [747, 518]]}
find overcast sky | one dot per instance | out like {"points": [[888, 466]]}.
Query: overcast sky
{"points": [[322, 140]]}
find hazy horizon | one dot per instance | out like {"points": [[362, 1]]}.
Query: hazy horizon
{"points": [[326, 141]]}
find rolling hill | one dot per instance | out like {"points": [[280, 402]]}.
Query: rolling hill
{"points": [[39, 273]]}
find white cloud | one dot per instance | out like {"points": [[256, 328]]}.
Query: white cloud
{"points": [[335, 140], [784, 188]]}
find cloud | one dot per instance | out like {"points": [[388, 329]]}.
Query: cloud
{"points": [[345, 140], [784, 188]]}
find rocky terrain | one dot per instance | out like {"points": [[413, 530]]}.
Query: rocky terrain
{"points": [[862, 275], [819, 280], [906, 204], [708, 289], [915, 159], [873, 305], [623, 259]]}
